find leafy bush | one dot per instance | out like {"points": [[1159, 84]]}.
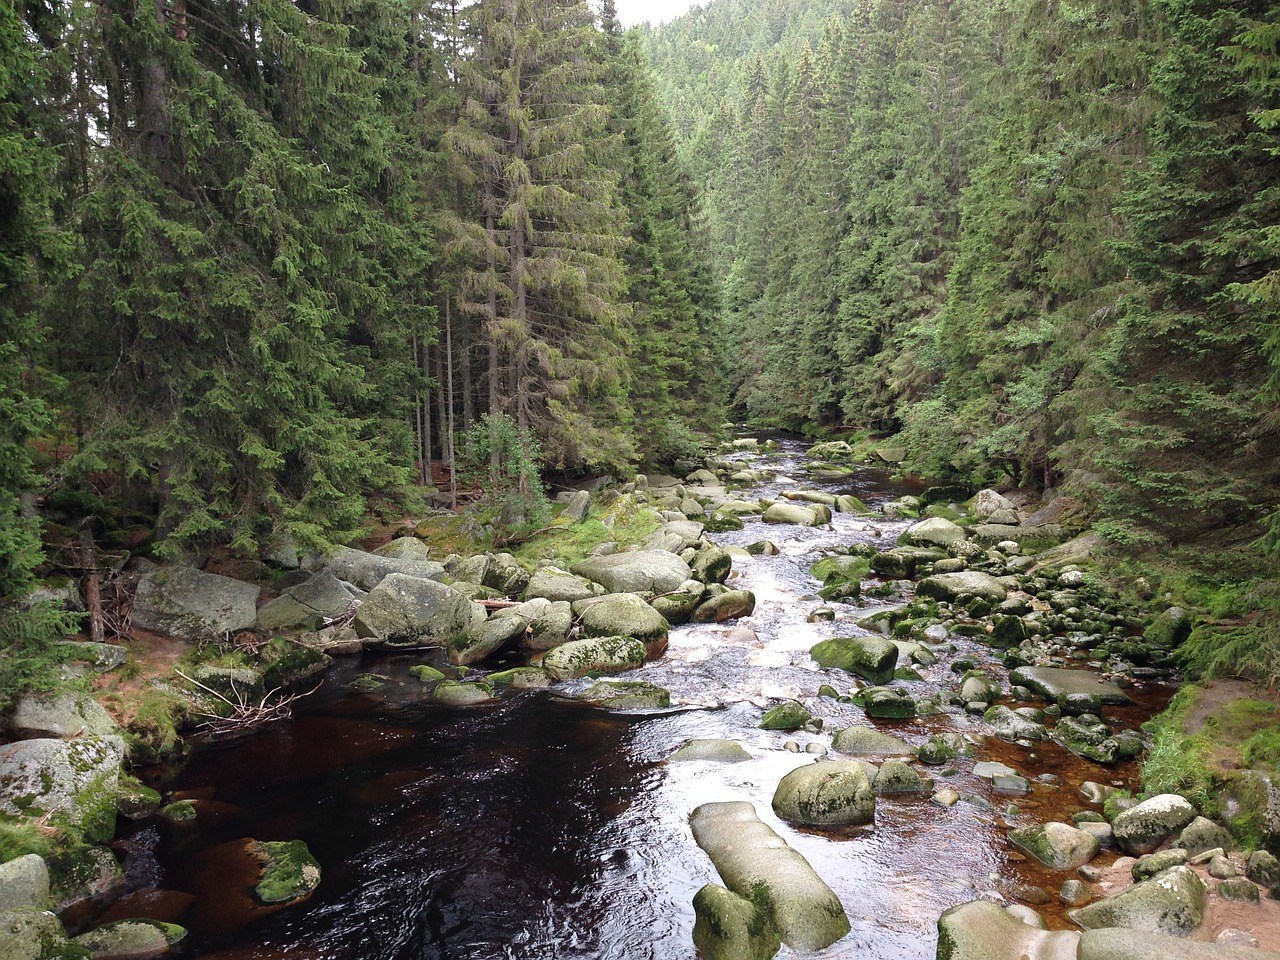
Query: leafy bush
{"points": [[501, 457]]}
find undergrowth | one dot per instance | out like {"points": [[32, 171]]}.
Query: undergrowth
{"points": [[1178, 761]]}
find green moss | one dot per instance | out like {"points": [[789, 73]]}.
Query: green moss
{"points": [[153, 731], [624, 523], [291, 872], [426, 674], [19, 837]]}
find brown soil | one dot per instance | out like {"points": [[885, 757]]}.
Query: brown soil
{"points": [[151, 657], [1259, 920], [1217, 694]]}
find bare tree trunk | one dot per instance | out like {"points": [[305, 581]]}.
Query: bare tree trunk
{"points": [[92, 584], [447, 414], [153, 110]]}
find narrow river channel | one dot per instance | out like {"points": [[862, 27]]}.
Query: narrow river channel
{"points": [[540, 827]]}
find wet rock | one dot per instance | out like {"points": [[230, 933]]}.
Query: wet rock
{"points": [[623, 695], [981, 930], [192, 605], [624, 615], [946, 797], [829, 793], [1075, 691], [1203, 834], [678, 607], [1121, 944], [729, 927], [550, 626], [711, 565], [1143, 828], [718, 751], [24, 883], [763, 548], [487, 640], [1172, 902], [942, 747], [552, 583], [599, 655], [1074, 893], [455, 693], [75, 780], [866, 741], [1008, 725], [645, 572], [1057, 845], [873, 658], [520, 678], [403, 611], [83, 873], [887, 703], [805, 516], [934, 532], [790, 715], [68, 715], [131, 939], [756, 863], [290, 873], [901, 563], [1148, 866], [897, 777], [977, 686], [950, 586], [1094, 741], [726, 606]]}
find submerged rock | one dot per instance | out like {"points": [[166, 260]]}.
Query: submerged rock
{"points": [[757, 864], [131, 939], [719, 751], [866, 741], [1075, 691], [290, 873], [623, 695]]}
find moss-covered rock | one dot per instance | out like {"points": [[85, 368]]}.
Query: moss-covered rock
{"points": [[520, 678], [627, 695], [830, 793], [73, 782], [872, 658], [1144, 827], [887, 703], [426, 673], [456, 693], [487, 640], [867, 741], [598, 655], [289, 872], [729, 927], [1172, 902], [790, 715], [724, 607], [134, 939], [1057, 845], [624, 615], [718, 751], [981, 930]]}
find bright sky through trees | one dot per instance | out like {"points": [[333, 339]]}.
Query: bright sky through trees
{"points": [[631, 12]]}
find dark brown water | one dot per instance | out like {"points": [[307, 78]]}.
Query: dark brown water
{"points": [[541, 828]]}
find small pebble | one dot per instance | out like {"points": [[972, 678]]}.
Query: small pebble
{"points": [[1236, 938], [1074, 893]]}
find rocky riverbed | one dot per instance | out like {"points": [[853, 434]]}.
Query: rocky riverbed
{"points": [[809, 713]]}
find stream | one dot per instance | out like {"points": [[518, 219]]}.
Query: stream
{"points": [[541, 827]]}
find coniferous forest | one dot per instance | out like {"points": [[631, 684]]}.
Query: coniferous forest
{"points": [[309, 307]]}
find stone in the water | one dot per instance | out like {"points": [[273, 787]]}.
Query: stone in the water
{"points": [[786, 716], [726, 606], [1142, 828], [719, 751], [826, 794], [1075, 691], [289, 874], [981, 930], [756, 863], [1057, 845], [623, 695], [888, 703], [1008, 725], [1172, 902], [729, 927], [942, 747], [646, 572], [412, 611], [860, 741], [454, 693], [1074, 893], [599, 655], [873, 658], [131, 939], [624, 615], [897, 776], [949, 586], [487, 640]]}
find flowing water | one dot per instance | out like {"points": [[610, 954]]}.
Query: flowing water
{"points": [[539, 827]]}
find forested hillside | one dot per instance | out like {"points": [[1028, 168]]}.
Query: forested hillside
{"points": [[1039, 239]]}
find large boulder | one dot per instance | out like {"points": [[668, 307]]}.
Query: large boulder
{"points": [[679, 606], [24, 883], [403, 611], [624, 615], [552, 583], [487, 640], [934, 532], [1141, 829], [1008, 725], [814, 515], [1171, 902], [901, 562], [32, 935], [1057, 845], [729, 927], [986, 502], [980, 930], [645, 572], [1075, 691], [756, 863], [950, 586], [73, 781], [308, 604], [367, 570], [830, 793], [68, 715], [867, 741], [725, 606], [872, 658], [1118, 943], [189, 604], [598, 655], [712, 565], [550, 627]]}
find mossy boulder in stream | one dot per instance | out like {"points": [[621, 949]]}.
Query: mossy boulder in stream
{"points": [[726, 606], [404, 611], [790, 715], [867, 741], [554, 584], [950, 586], [1075, 691], [34, 935], [487, 640], [290, 873], [131, 939], [678, 606], [1057, 845], [1172, 902], [729, 927], [455, 693], [624, 615], [872, 658], [598, 655], [74, 782], [981, 930], [624, 695], [934, 532], [714, 750], [830, 793], [757, 864], [1143, 828], [646, 572]]}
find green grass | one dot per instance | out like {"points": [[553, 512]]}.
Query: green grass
{"points": [[624, 523], [1178, 761]]}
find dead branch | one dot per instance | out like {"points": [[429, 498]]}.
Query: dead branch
{"points": [[244, 712]]}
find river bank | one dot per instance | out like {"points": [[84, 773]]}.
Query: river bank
{"points": [[417, 808]]}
